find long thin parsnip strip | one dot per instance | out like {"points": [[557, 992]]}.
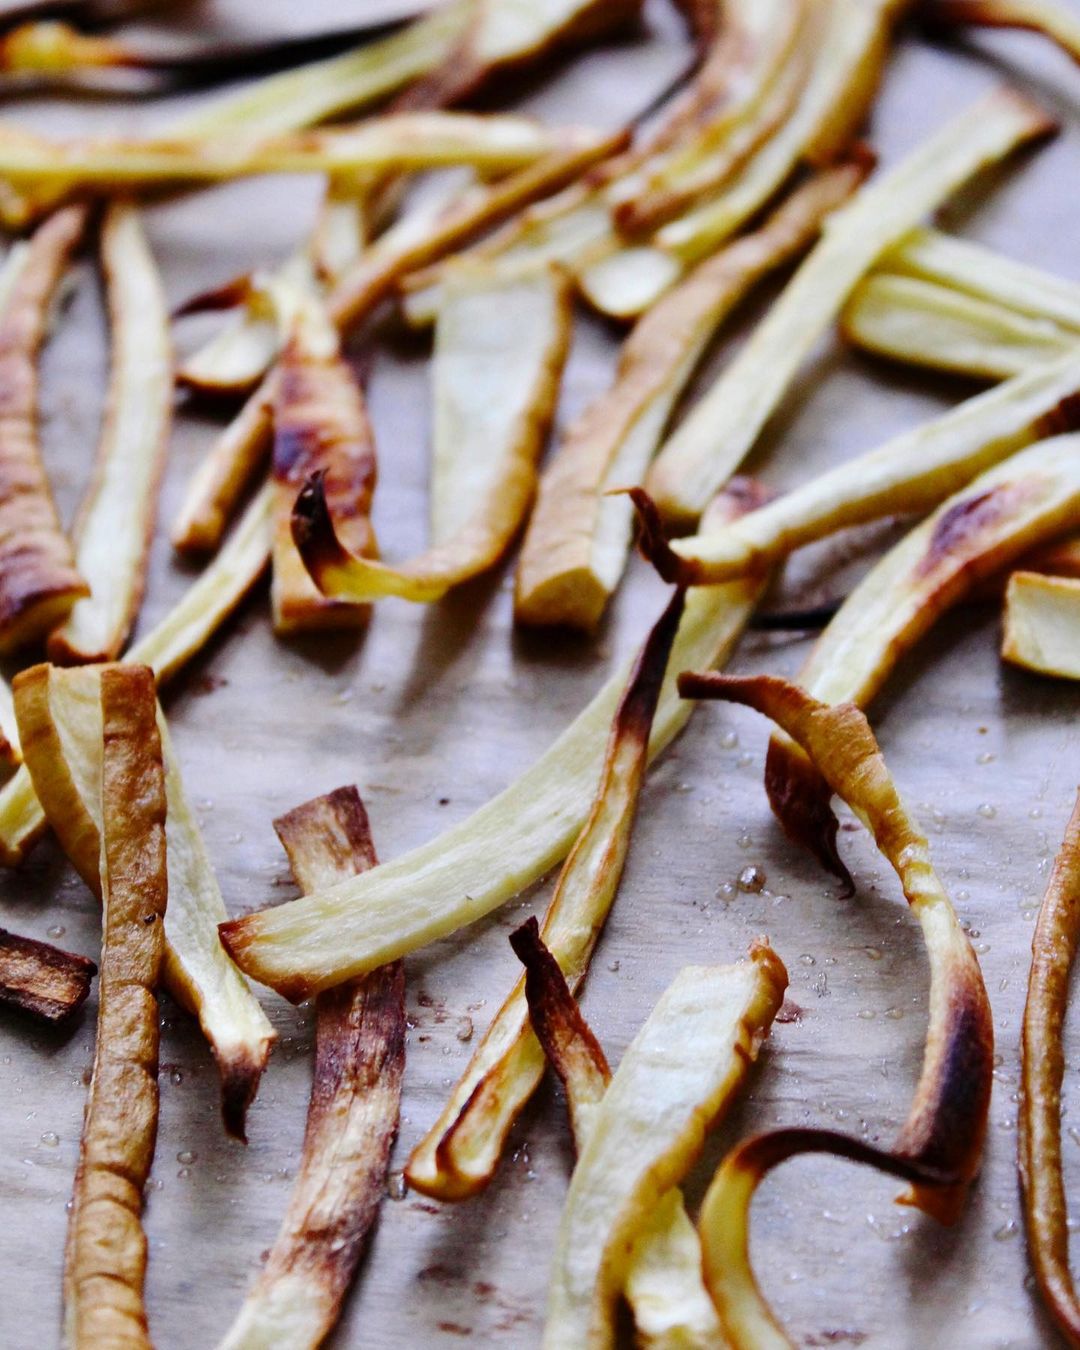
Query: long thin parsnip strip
{"points": [[499, 350], [677, 1077], [946, 1124], [116, 520], [578, 536], [471, 869], [320, 427], [1042, 1070], [1042, 624], [664, 1286], [105, 1264], [41, 980], [352, 1116], [1055, 21], [39, 582], [460, 1153], [723, 426], [995, 520]]}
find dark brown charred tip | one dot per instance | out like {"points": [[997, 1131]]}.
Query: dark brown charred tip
{"points": [[1062, 418], [313, 530], [795, 620], [763, 1152], [40, 980], [229, 295], [638, 705], [240, 1074], [801, 800], [653, 543]]}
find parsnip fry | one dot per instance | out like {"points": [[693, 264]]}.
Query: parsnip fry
{"points": [[1042, 1069], [1042, 624], [1054, 21], [320, 427], [664, 1286], [946, 1124], [723, 426], [352, 1116], [42, 980], [116, 521], [59, 713], [676, 1078], [578, 536], [106, 1249], [39, 582], [996, 519], [459, 1154], [499, 352], [471, 869]]}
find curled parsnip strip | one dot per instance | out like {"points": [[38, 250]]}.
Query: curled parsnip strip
{"points": [[105, 1264], [320, 427], [1042, 1069], [459, 1154], [677, 1078], [925, 324], [723, 426], [1055, 21], [1042, 624], [42, 980], [500, 346], [479, 864], [664, 1286], [578, 536], [946, 1124], [352, 1115], [914, 471], [59, 712], [995, 520], [116, 520], [39, 582]]}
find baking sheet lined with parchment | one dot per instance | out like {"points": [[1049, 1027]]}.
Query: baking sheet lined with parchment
{"points": [[435, 709]]}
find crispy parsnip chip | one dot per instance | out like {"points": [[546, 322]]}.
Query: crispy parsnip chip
{"points": [[42, 980], [579, 535], [946, 1124], [712, 441], [116, 520], [459, 1154], [499, 350], [352, 1116], [105, 1263], [1055, 21], [1042, 624]]}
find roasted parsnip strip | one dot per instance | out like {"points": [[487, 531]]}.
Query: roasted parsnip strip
{"points": [[664, 1286], [459, 1154], [105, 1262], [59, 713], [675, 1080], [914, 471], [352, 1116], [320, 427], [995, 520], [1055, 21], [116, 520], [500, 346], [723, 426], [1042, 1069], [578, 536], [39, 582], [42, 980], [1042, 624], [926, 324], [946, 1124], [471, 869]]}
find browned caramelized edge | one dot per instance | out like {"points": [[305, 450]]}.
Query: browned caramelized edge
{"points": [[42, 980]]}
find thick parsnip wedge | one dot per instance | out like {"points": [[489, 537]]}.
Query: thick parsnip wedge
{"points": [[946, 1124], [500, 345], [926, 324], [320, 427], [105, 1264], [314, 943], [116, 520], [915, 471], [39, 581], [1042, 624], [1055, 21], [352, 1115], [1042, 1070], [42, 980], [60, 717], [719, 431], [675, 1080], [459, 1154], [664, 1286], [578, 537], [995, 520]]}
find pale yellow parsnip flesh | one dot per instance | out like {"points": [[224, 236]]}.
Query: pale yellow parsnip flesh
{"points": [[1042, 624]]}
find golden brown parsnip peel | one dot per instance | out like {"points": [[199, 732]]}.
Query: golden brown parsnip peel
{"points": [[1042, 622], [42, 980]]}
